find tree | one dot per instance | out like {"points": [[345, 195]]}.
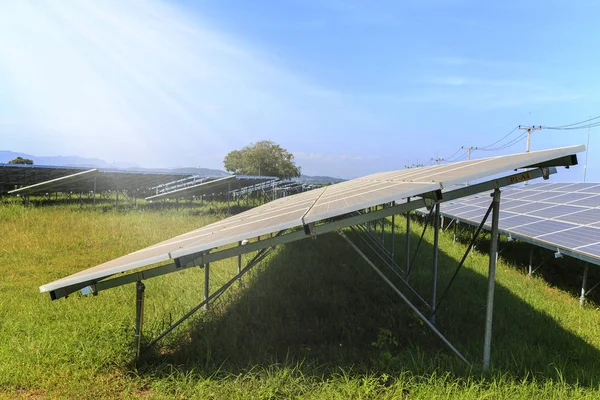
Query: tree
{"points": [[262, 158], [20, 160]]}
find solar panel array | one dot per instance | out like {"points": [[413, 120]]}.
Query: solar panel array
{"points": [[320, 204], [40, 179], [564, 216], [215, 186]]}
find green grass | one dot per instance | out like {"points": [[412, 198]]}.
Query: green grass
{"points": [[311, 321]]}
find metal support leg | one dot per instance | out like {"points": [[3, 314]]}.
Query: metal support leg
{"points": [[436, 235], [405, 299], [139, 316], [455, 225], [393, 245], [407, 255], [530, 261], [206, 281], [240, 263], [583, 285], [228, 197], [487, 343]]}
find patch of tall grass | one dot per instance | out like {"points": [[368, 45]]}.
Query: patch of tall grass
{"points": [[311, 321]]}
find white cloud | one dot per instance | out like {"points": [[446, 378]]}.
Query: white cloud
{"points": [[141, 81]]}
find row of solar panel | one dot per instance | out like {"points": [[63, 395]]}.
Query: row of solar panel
{"points": [[574, 225]]}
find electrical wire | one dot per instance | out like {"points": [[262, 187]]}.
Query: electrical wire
{"points": [[575, 123], [499, 140], [518, 139]]}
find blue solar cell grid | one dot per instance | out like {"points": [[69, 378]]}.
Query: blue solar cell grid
{"points": [[510, 223], [591, 189], [593, 201], [585, 217], [573, 238], [559, 214], [593, 250], [541, 196], [510, 204], [530, 207], [555, 211], [543, 227], [582, 187], [568, 198]]}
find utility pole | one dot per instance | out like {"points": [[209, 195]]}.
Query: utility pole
{"points": [[529, 130], [469, 149], [587, 150]]}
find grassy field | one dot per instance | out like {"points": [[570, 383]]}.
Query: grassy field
{"points": [[311, 321]]}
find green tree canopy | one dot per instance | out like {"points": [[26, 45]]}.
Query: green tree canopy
{"points": [[21, 160], [262, 158]]}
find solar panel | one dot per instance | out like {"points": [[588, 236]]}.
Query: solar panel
{"points": [[582, 187], [336, 201], [474, 214], [573, 238], [591, 189], [510, 204], [568, 198], [593, 250], [81, 180], [542, 228], [539, 196], [560, 187], [593, 201], [562, 215], [541, 186], [555, 211], [530, 207], [508, 224], [585, 216]]}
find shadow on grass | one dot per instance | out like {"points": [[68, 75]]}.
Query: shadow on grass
{"points": [[316, 304]]}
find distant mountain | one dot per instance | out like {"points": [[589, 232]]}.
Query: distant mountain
{"points": [[319, 179], [75, 161]]}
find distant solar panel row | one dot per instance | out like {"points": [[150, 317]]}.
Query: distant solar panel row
{"points": [[40, 179], [561, 215]]}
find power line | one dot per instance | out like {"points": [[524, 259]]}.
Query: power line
{"points": [[498, 141], [568, 126]]}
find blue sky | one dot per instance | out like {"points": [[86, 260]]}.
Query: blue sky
{"points": [[350, 87]]}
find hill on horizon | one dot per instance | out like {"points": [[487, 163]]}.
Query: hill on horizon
{"points": [[76, 161]]}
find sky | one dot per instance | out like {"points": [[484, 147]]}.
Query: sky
{"points": [[349, 87]]}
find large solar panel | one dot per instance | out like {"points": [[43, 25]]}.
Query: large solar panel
{"points": [[307, 208], [563, 216]]}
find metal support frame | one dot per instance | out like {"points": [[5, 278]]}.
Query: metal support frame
{"points": [[583, 284], [261, 254], [405, 299], [436, 234], [139, 316], [407, 255], [264, 246], [464, 257], [487, 342], [228, 197], [206, 285]]}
